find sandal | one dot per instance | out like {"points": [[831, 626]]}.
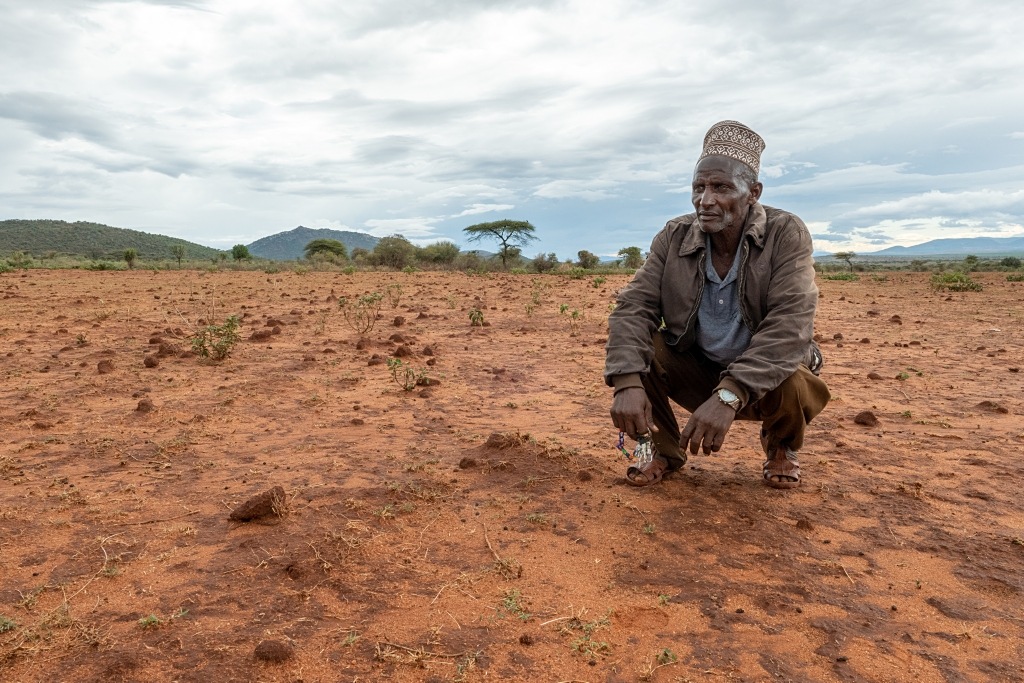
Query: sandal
{"points": [[779, 473], [648, 473]]}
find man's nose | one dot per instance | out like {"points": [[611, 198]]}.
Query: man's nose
{"points": [[707, 198]]}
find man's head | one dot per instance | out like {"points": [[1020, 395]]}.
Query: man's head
{"points": [[725, 183]]}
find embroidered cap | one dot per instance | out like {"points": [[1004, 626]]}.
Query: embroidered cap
{"points": [[734, 140]]}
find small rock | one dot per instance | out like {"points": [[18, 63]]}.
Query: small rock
{"points": [[150, 361], [896, 319], [398, 321], [874, 375], [467, 463], [837, 336], [526, 639], [274, 651], [269, 503], [428, 350], [865, 340], [105, 367], [993, 407], [375, 359], [261, 335], [403, 351], [145, 406], [357, 421], [804, 525], [866, 418], [584, 475]]}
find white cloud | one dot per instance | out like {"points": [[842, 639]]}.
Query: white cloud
{"points": [[420, 228], [475, 209], [215, 120]]}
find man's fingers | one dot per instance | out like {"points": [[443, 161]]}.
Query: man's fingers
{"points": [[649, 416]]}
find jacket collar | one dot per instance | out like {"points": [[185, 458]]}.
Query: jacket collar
{"points": [[694, 239]]}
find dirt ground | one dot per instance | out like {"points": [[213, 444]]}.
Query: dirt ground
{"points": [[477, 527]]}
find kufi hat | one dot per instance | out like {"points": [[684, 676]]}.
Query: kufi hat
{"points": [[734, 140]]}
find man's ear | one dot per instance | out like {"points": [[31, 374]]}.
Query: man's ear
{"points": [[755, 192]]}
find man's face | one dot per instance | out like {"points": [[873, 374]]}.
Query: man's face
{"points": [[721, 196]]}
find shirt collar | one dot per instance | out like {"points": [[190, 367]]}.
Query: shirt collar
{"points": [[754, 228]]}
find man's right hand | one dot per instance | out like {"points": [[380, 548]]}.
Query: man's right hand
{"points": [[631, 412]]}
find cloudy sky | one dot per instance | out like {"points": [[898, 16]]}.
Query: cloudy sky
{"points": [[223, 121]]}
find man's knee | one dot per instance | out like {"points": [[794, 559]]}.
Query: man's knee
{"points": [[803, 390]]}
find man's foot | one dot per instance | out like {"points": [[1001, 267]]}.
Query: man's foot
{"points": [[649, 472], [782, 470]]}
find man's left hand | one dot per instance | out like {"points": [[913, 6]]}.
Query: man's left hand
{"points": [[707, 427]]}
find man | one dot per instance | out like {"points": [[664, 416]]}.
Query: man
{"points": [[720, 320]]}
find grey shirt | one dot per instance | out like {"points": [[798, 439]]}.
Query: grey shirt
{"points": [[721, 334]]}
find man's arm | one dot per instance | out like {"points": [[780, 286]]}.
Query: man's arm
{"points": [[629, 351]]}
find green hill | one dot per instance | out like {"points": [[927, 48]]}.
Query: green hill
{"points": [[91, 240], [286, 246]]}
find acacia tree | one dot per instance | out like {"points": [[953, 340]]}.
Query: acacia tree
{"points": [[632, 257], [847, 256], [509, 233], [240, 252], [325, 246], [587, 260]]}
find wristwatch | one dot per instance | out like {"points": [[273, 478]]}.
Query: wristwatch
{"points": [[730, 399]]}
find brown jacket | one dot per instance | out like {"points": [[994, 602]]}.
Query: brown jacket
{"points": [[777, 293]]}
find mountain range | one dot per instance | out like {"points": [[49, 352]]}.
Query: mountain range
{"points": [[979, 246], [286, 246], [92, 240]]}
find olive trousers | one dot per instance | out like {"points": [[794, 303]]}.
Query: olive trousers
{"points": [[689, 378]]}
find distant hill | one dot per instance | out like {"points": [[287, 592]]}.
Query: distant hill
{"points": [[987, 246], [91, 240], [285, 246]]}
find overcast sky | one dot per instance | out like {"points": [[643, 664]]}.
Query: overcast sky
{"points": [[224, 121]]}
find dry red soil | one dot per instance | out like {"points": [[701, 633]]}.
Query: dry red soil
{"points": [[478, 528]]}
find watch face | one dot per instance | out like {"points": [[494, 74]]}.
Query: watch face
{"points": [[727, 395]]}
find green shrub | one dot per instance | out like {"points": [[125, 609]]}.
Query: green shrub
{"points": [[1019, 277], [361, 314], [103, 265], [576, 273], [955, 282], [853, 277], [216, 341]]}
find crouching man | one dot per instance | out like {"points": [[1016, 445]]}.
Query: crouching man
{"points": [[720, 320]]}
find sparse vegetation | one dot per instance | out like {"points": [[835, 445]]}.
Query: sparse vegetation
{"points": [[361, 314], [954, 281], [216, 341], [476, 317]]}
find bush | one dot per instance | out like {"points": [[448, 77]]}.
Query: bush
{"points": [[543, 263], [843, 276], [1015, 277], [955, 282], [394, 252], [576, 273], [215, 341], [103, 265], [1010, 262], [587, 259]]}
